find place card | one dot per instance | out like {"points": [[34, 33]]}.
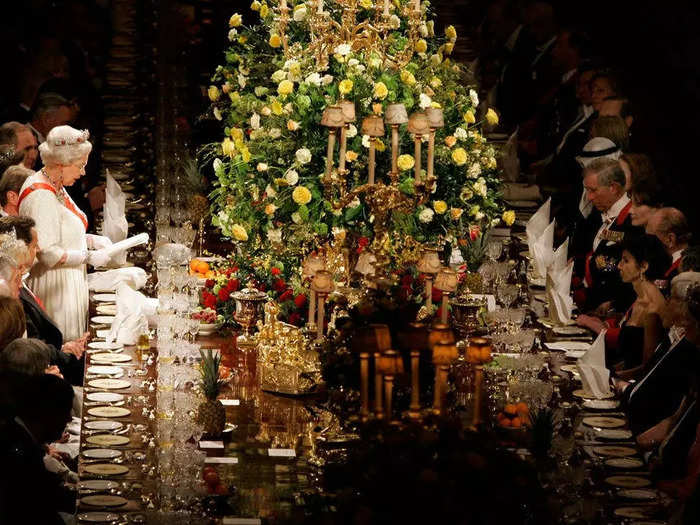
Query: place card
{"points": [[230, 402], [229, 461], [281, 452], [211, 444]]}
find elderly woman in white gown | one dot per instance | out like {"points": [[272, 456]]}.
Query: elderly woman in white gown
{"points": [[59, 277]]}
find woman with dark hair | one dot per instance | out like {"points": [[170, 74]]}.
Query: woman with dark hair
{"points": [[637, 167], [644, 260], [647, 198]]}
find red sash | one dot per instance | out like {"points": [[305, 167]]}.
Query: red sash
{"points": [[67, 202], [673, 267]]}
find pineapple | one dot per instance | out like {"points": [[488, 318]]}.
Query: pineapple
{"points": [[197, 186], [211, 413]]}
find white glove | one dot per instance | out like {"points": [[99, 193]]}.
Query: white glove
{"points": [[98, 258], [75, 257], [97, 242]]}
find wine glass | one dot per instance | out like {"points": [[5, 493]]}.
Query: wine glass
{"points": [[507, 294], [494, 249]]}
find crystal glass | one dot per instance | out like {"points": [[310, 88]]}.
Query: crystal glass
{"points": [[507, 294], [494, 249]]}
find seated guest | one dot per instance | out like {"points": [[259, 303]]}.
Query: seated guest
{"points": [[12, 322], [50, 110], [637, 167], [671, 372], [24, 142], [647, 199], [67, 356], [604, 182], [10, 184], [617, 107], [643, 261], [12, 253], [613, 128], [671, 227], [44, 408]]}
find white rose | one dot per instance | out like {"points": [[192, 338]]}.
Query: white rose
{"points": [[288, 107], [495, 222], [289, 64], [343, 49], [375, 62], [431, 28], [292, 177], [351, 132], [435, 60], [260, 91], [327, 79], [242, 80], [474, 96], [217, 165], [274, 235], [217, 114], [353, 62], [303, 155], [313, 79], [270, 191], [480, 187], [279, 75], [262, 167], [474, 171], [426, 215], [479, 215], [424, 31], [300, 13], [354, 203], [255, 121], [275, 133], [232, 34], [394, 22], [425, 101], [460, 133], [365, 141], [266, 111], [296, 218]]}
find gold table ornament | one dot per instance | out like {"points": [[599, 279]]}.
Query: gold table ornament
{"points": [[446, 281], [323, 285], [249, 302], [429, 264]]}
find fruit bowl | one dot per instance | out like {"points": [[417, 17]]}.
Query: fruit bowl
{"points": [[206, 329]]}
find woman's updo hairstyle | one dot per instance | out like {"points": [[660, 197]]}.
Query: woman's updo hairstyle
{"points": [[65, 145], [649, 249]]}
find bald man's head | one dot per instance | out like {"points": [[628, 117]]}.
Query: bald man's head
{"points": [[671, 227]]}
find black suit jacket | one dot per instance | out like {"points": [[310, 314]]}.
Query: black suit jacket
{"points": [[660, 392], [41, 326], [28, 492]]}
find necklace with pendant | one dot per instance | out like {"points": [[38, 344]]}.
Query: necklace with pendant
{"points": [[59, 192]]}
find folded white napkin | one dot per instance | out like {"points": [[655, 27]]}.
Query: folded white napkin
{"points": [[543, 251], [557, 291], [594, 375], [115, 225], [536, 225], [561, 256], [107, 281], [133, 310]]}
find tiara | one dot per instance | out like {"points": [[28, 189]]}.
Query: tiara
{"points": [[81, 138], [8, 155], [10, 246]]}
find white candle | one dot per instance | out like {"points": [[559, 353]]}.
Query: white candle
{"points": [[320, 6], [312, 308], [283, 4], [417, 4], [386, 7]]}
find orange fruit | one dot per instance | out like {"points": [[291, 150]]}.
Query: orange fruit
{"points": [[202, 267], [516, 422], [193, 265], [505, 422], [522, 408], [510, 410], [485, 354]]}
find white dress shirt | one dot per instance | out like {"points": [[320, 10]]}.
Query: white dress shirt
{"points": [[609, 217], [676, 255]]}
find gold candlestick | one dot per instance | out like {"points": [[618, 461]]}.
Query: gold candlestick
{"points": [[378, 405], [311, 324], [417, 157], [321, 316], [443, 354], [322, 284], [435, 121], [388, 391], [418, 125], [414, 407], [390, 365], [332, 118], [395, 116], [429, 264], [446, 280], [373, 126], [364, 385]]}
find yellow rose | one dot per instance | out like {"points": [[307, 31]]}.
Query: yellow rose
{"points": [[292, 125], [285, 87], [275, 41], [407, 77], [351, 156], [270, 209], [469, 117], [237, 134], [449, 47], [301, 195], [491, 117], [366, 4], [406, 162], [345, 86], [255, 6], [450, 141], [234, 96], [239, 233], [236, 20], [451, 33], [459, 156], [378, 109], [295, 69], [508, 217], [440, 207], [380, 90], [379, 145], [421, 46], [228, 147], [242, 39], [264, 10], [276, 107], [245, 154], [456, 213], [213, 93], [435, 82]]}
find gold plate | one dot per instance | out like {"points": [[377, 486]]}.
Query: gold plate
{"points": [[612, 450], [624, 463], [109, 411], [604, 422], [109, 384], [632, 512], [107, 357], [628, 482], [104, 500], [584, 395], [106, 469], [107, 440]]}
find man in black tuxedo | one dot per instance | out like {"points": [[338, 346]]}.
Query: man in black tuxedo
{"points": [[28, 492], [67, 356], [604, 183]]}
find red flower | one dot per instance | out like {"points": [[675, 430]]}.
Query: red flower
{"points": [[262, 287], [275, 271], [406, 280], [224, 295], [437, 295], [404, 292], [210, 283], [300, 300], [295, 318], [228, 272], [279, 285], [209, 300], [286, 295], [362, 244], [233, 285], [474, 232]]}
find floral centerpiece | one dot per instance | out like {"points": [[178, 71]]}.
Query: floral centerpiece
{"points": [[274, 195]]}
